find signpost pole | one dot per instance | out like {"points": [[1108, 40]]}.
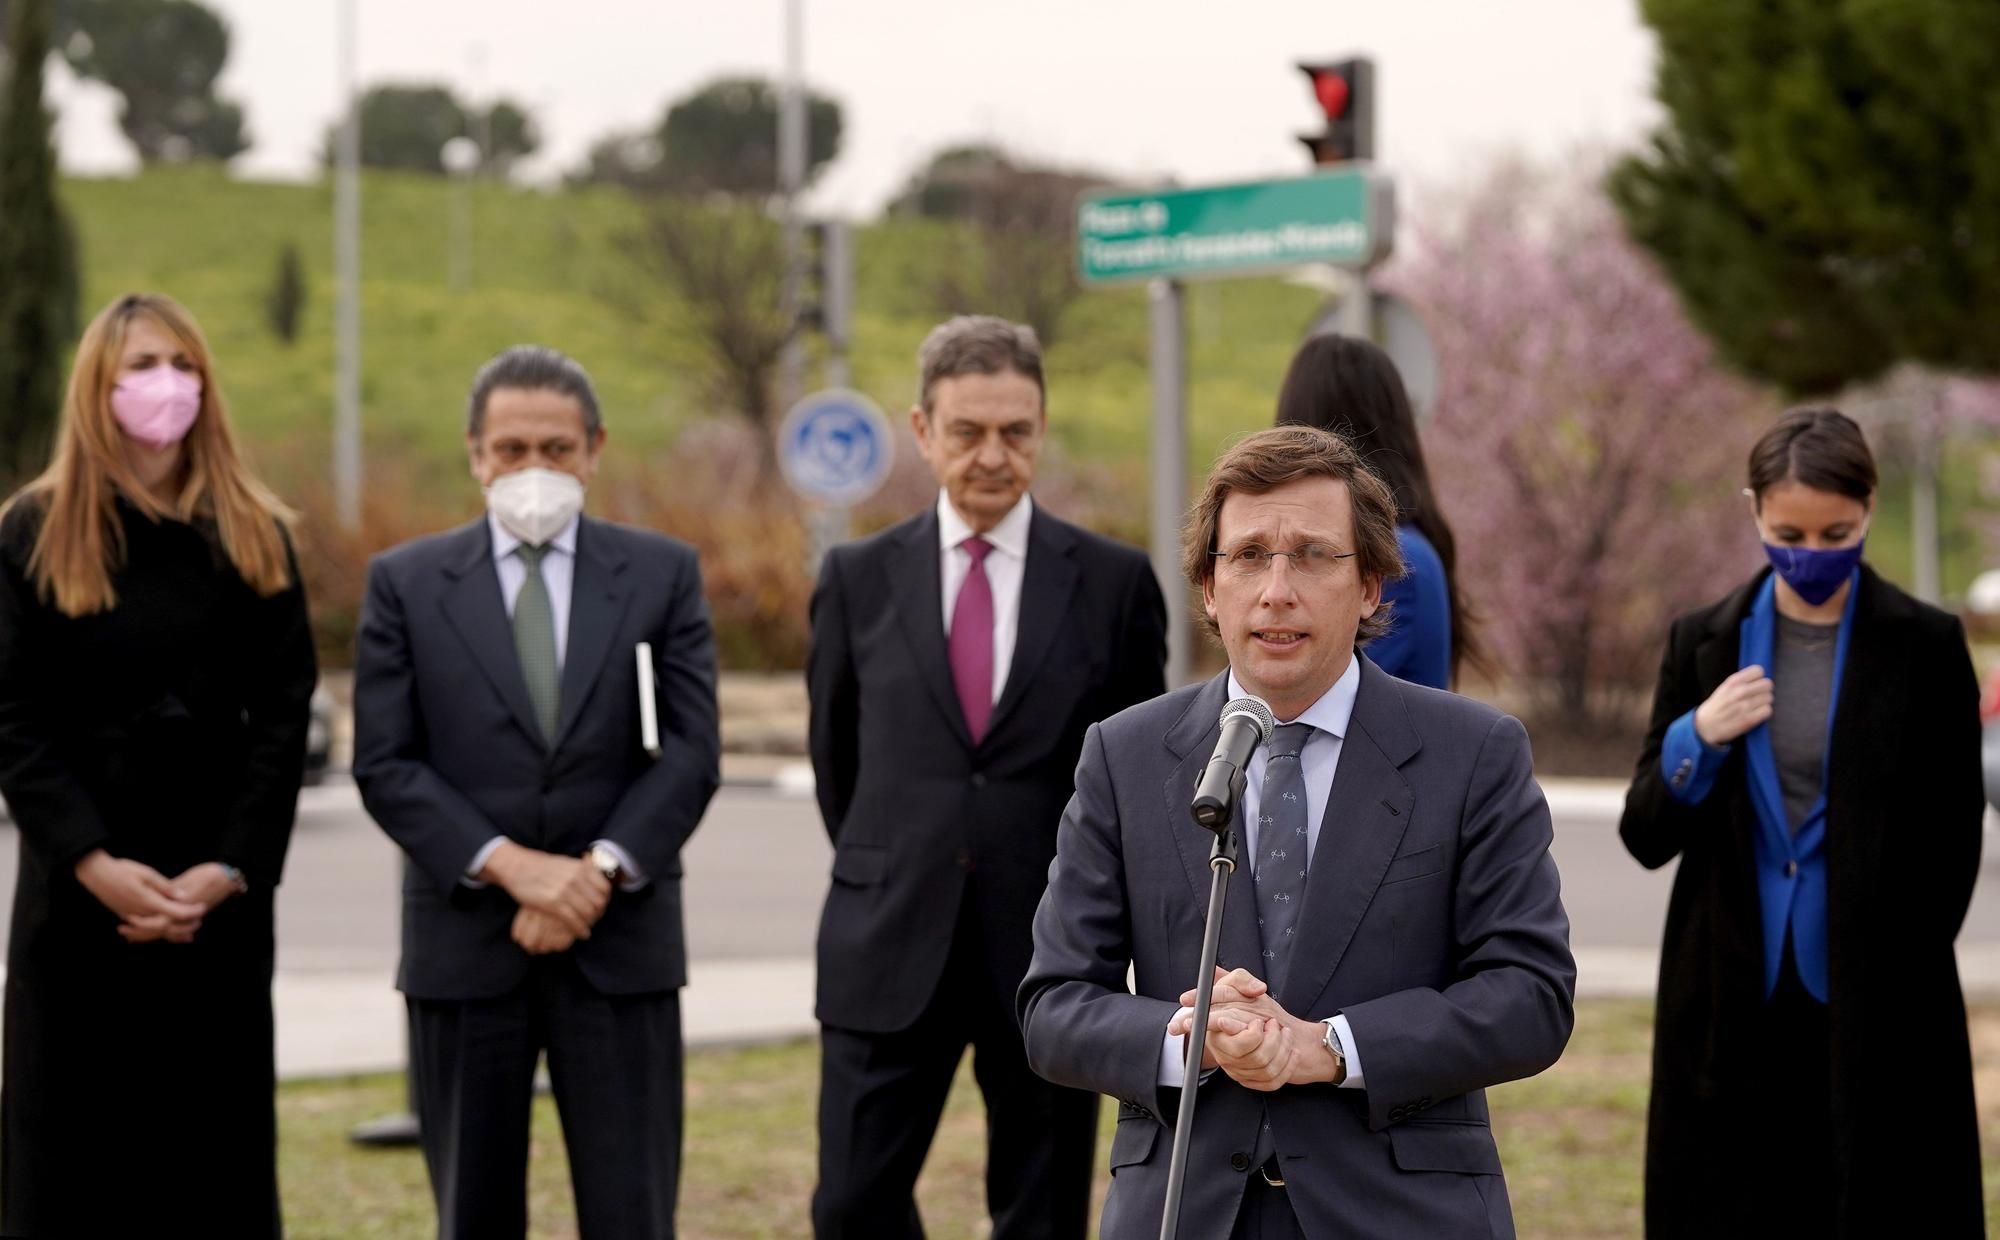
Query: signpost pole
{"points": [[1169, 373], [1354, 314]]}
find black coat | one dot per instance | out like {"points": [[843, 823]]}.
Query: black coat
{"points": [[447, 753], [171, 730], [1904, 807], [922, 818]]}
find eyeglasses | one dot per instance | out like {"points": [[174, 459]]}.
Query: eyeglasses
{"points": [[1308, 559]]}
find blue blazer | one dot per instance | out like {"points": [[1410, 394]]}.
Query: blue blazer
{"points": [[1791, 866], [1417, 647]]}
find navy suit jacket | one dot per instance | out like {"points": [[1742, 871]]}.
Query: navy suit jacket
{"points": [[1433, 920], [447, 753]]}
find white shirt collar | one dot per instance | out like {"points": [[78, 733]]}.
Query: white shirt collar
{"points": [[504, 542], [1334, 709], [1010, 536]]}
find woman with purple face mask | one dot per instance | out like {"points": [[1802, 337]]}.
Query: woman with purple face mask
{"points": [[1814, 763], [155, 670]]}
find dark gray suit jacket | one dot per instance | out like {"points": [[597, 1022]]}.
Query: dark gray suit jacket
{"points": [[921, 818], [447, 753], [1433, 920]]}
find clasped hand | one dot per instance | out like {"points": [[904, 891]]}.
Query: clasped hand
{"points": [[150, 906], [1255, 1041], [561, 898]]}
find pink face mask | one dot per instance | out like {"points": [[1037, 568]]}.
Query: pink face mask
{"points": [[157, 406]]}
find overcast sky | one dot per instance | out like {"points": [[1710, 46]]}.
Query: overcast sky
{"points": [[1190, 89]]}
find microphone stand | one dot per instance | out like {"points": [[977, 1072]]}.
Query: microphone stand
{"points": [[1221, 864]]}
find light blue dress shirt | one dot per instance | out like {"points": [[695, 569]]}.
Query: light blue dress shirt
{"points": [[1329, 717]]}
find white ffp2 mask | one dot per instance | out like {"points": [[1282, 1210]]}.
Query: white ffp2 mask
{"points": [[534, 504]]}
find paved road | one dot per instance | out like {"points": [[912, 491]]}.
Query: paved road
{"points": [[756, 874], [757, 871]]}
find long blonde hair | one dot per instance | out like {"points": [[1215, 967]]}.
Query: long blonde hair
{"points": [[81, 541]]}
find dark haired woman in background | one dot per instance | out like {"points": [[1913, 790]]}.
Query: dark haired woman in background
{"points": [[1339, 383], [155, 668], [1813, 761]]}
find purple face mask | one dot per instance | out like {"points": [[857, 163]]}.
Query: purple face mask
{"points": [[1814, 575], [157, 406]]}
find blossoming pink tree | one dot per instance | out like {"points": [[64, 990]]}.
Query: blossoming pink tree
{"points": [[1587, 445]]}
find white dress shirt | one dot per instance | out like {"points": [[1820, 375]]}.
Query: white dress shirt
{"points": [[1005, 565], [1329, 717], [559, 576]]}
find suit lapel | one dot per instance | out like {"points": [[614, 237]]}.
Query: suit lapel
{"points": [[1717, 653], [1047, 582], [919, 594], [1367, 812], [477, 612], [596, 604], [1192, 739]]}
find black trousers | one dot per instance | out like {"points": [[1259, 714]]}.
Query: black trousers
{"points": [[1266, 1213], [615, 1065], [881, 1094]]}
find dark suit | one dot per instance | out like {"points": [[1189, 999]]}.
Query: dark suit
{"points": [[941, 851], [1891, 1075], [447, 755], [1432, 920]]}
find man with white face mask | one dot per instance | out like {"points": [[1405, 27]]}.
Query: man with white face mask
{"points": [[497, 741]]}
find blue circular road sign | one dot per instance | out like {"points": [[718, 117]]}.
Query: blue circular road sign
{"points": [[835, 447]]}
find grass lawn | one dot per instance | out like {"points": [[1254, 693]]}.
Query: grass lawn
{"points": [[1571, 1140]]}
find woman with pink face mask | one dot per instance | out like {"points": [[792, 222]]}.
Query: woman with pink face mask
{"points": [[155, 671]]}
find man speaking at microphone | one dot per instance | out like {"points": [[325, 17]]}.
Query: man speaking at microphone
{"points": [[1393, 940]]}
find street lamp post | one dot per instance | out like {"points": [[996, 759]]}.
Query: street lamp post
{"points": [[347, 283], [461, 160]]}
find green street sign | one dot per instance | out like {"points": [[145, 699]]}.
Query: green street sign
{"points": [[1345, 217]]}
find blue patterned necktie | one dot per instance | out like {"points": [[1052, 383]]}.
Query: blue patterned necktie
{"points": [[1281, 848]]}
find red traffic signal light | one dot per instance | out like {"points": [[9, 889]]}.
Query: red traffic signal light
{"points": [[1345, 92]]}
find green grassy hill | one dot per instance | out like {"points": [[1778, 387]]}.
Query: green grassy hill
{"points": [[540, 262]]}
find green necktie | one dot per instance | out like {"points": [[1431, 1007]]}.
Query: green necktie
{"points": [[535, 641]]}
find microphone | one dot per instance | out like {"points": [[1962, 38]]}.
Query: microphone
{"points": [[1246, 724]]}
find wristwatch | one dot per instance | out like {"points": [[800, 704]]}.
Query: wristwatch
{"points": [[1333, 1047], [606, 863]]}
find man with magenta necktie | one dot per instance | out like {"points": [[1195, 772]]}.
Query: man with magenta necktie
{"points": [[956, 660]]}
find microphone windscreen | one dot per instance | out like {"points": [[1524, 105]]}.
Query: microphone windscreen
{"points": [[1255, 708]]}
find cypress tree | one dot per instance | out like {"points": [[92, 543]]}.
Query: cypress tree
{"points": [[287, 296], [37, 256], [1824, 188]]}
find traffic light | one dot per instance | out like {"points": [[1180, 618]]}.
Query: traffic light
{"points": [[1345, 92], [827, 296]]}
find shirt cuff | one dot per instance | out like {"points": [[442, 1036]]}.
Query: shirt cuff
{"points": [[630, 876], [1351, 1052], [1173, 1060], [1689, 764], [479, 860]]}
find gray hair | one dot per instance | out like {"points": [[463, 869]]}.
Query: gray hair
{"points": [[978, 344], [533, 367]]}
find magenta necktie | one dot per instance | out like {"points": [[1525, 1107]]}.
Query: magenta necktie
{"points": [[971, 641]]}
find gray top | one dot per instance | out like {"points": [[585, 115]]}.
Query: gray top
{"points": [[1802, 670]]}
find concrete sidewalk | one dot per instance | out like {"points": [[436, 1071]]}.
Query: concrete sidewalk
{"points": [[340, 1023]]}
